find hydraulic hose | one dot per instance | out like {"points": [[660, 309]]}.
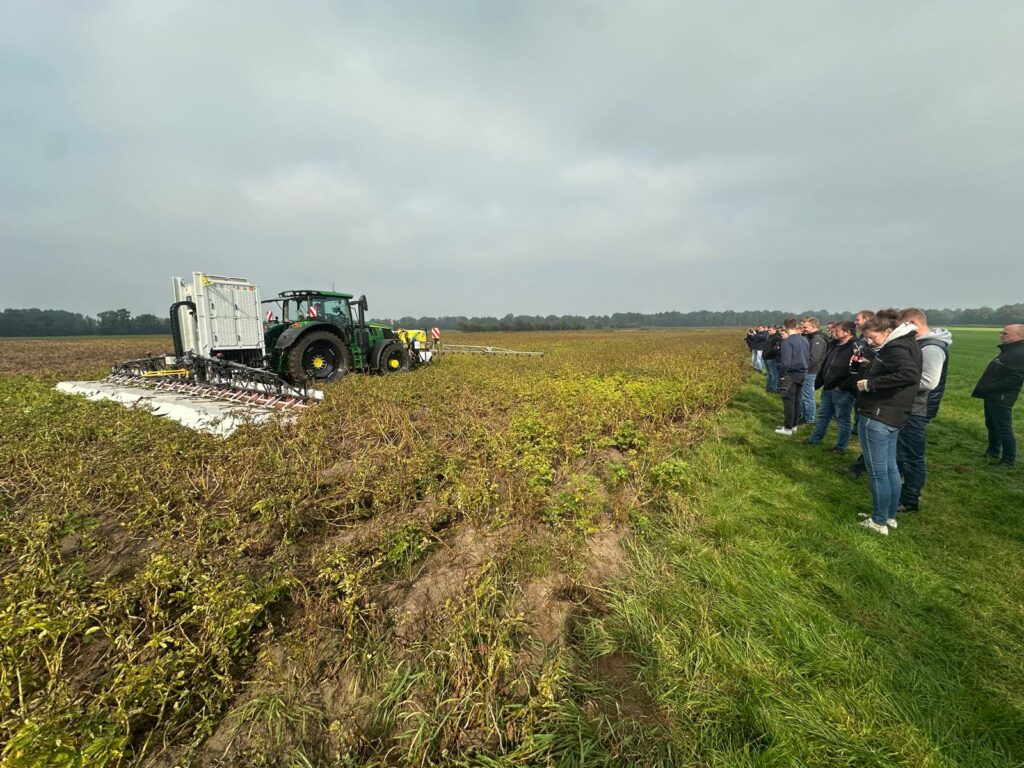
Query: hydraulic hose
{"points": [[179, 347]]}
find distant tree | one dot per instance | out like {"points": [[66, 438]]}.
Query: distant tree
{"points": [[115, 321], [151, 324]]}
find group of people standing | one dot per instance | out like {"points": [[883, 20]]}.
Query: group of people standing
{"points": [[882, 376]]}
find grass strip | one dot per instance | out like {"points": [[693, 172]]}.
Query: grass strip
{"points": [[770, 629]]}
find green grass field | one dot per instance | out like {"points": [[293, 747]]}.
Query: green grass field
{"points": [[770, 629]]}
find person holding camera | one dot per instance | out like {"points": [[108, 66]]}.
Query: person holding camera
{"points": [[755, 343], [860, 361], [837, 387], [885, 398], [772, 352]]}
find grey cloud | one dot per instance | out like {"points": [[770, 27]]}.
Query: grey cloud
{"points": [[514, 157]]}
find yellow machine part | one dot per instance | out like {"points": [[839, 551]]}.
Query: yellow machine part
{"points": [[173, 372], [407, 337]]}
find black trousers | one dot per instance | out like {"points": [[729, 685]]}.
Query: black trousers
{"points": [[789, 386], [999, 422]]}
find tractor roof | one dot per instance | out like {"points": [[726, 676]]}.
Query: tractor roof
{"points": [[303, 294]]}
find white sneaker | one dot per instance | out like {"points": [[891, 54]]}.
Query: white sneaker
{"points": [[890, 523], [784, 431], [871, 525]]}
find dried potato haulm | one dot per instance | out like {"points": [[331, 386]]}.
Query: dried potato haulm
{"points": [[386, 580]]}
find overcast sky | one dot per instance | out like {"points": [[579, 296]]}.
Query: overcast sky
{"points": [[529, 157]]}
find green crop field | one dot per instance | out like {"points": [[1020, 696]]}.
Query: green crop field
{"points": [[604, 556], [387, 581]]}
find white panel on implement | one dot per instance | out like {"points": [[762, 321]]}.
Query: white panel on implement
{"points": [[228, 314], [234, 311]]}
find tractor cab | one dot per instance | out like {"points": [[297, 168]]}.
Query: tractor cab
{"points": [[300, 306]]}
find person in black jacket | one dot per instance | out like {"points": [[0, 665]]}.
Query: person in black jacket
{"points": [[755, 342], [999, 387], [860, 361], [885, 399], [817, 345], [772, 351], [837, 386]]}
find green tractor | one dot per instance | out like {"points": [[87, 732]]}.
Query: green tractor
{"points": [[319, 336]]}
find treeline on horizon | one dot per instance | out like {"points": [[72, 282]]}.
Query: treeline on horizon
{"points": [[59, 322], [115, 322]]}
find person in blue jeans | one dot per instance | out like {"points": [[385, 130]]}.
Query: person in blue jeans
{"points": [[772, 351], [756, 340], [913, 442], [837, 388], [885, 398], [817, 346]]}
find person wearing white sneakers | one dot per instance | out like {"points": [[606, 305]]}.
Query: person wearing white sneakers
{"points": [[793, 358], [885, 399]]}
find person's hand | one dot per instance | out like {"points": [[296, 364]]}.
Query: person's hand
{"points": [[862, 385]]}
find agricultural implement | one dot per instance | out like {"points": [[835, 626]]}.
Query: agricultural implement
{"points": [[238, 359]]}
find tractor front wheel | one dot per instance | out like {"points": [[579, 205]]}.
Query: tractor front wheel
{"points": [[393, 358], [318, 357]]}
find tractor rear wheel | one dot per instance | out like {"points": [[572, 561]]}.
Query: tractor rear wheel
{"points": [[393, 358], [318, 357]]}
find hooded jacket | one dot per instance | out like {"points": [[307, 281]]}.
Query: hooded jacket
{"points": [[934, 364], [1002, 379], [893, 379], [818, 346]]}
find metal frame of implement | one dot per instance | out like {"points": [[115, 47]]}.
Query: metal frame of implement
{"points": [[480, 349]]}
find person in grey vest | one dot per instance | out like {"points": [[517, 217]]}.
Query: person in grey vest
{"points": [[910, 447]]}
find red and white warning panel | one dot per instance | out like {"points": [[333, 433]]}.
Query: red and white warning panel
{"points": [[435, 334]]}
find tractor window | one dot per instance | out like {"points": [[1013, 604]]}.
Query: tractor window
{"points": [[324, 308], [337, 309]]}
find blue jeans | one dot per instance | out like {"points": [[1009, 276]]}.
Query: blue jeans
{"points": [[999, 422], [772, 383], [807, 399], [910, 450], [835, 404], [756, 359], [878, 441]]}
